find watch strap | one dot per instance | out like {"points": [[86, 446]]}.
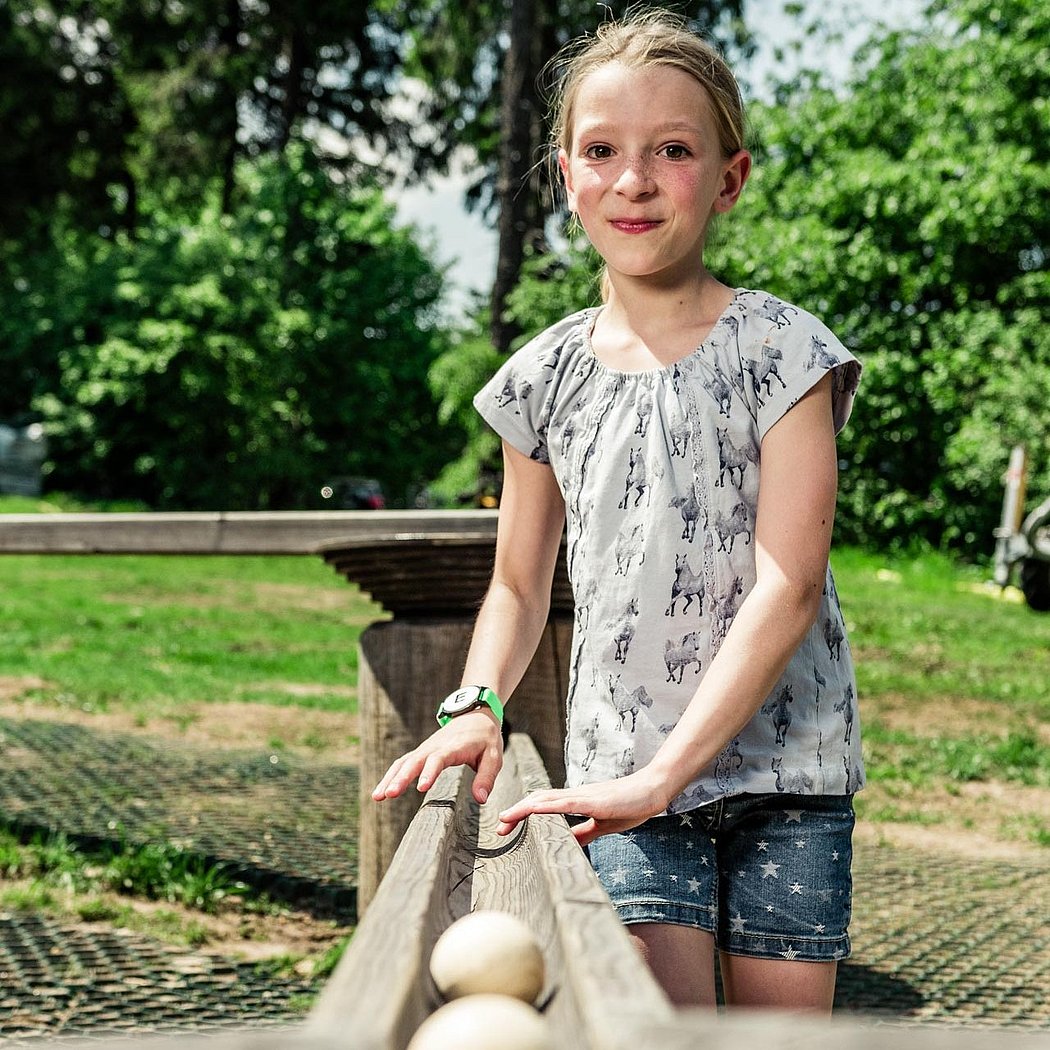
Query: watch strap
{"points": [[486, 698]]}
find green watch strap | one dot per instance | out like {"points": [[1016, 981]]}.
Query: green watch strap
{"points": [[485, 697]]}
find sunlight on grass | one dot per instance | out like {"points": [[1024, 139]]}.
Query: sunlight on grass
{"points": [[106, 633]]}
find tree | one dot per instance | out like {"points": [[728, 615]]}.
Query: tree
{"points": [[911, 212], [227, 365], [103, 97]]}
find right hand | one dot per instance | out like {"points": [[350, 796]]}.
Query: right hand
{"points": [[471, 739]]}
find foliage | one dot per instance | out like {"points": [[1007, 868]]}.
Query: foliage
{"points": [[454, 379], [910, 212], [550, 288], [238, 361], [108, 102]]}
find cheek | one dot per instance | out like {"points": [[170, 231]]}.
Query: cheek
{"points": [[685, 184]]}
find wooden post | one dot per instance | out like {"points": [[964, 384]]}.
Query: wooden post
{"points": [[408, 664]]}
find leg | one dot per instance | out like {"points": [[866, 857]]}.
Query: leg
{"points": [[778, 983], [682, 959]]}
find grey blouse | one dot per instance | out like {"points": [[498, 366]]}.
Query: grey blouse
{"points": [[660, 473]]}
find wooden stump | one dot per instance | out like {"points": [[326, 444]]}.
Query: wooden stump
{"points": [[433, 586]]}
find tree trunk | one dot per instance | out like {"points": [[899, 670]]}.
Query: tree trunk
{"points": [[518, 109], [229, 35]]}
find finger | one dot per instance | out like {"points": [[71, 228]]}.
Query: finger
{"points": [[488, 769], [586, 832], [379, 791], [410, 768], [541, 802], [431, 770]]}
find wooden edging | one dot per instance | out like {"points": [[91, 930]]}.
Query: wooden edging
{"points": [[224, 532], [598, 995]]}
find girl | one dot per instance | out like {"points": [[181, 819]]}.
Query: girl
{"points": [[684, 431]]}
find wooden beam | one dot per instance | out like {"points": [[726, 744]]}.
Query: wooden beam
{"points": [[598, 993], [226, 532]]}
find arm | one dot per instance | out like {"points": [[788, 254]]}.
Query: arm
{"points": [[796, 508], [508, 629]]}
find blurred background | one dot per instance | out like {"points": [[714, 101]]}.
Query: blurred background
{"points": [[259, 254]]}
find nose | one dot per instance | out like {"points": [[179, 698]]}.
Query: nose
{"points": [[635, 178]]}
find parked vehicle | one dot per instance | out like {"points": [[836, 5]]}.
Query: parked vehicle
{"points": [[1023, 542], [353, 493], [22, 454]]}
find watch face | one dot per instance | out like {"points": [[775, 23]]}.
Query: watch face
{"points": [[461, 700]]}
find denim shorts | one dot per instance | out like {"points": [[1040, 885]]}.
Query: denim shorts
{"points": [[767, 875]]}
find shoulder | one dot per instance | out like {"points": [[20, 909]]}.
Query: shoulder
{"points": [[548, 349], [786, 350], [770, 317]]}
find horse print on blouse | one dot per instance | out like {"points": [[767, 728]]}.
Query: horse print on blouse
{"points": [[777, 709], [691, 511], [687, 584], [731, 458], [679, 655], [763, 370], [732, 525], [624, 629], [628, 701]]}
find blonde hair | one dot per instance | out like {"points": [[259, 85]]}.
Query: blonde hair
{"points": [[643, 39]]}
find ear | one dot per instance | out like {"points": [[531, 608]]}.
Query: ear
{"points": [[734, 175], [566, 175]]}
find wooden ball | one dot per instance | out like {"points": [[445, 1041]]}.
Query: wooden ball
{"points": [[483, 1022], [488, 952]]}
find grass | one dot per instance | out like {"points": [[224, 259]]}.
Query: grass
{"points": [[954, 681], [155, 871], [51, 874], [925, 627], [148, 634]]}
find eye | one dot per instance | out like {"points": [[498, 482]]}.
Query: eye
{"points": [[598, 152], [676, 151]]}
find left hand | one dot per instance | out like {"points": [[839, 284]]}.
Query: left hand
{"points": [[611, 806]]}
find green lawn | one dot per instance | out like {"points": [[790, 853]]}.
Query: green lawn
{"points": [[954, 679], [149, 634]]}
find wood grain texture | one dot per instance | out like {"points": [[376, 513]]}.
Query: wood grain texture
{"points": [[381, 992], [433, 574], [226, 532], [405, 667]]}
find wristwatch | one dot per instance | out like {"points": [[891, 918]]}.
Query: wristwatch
{"points": [[466, 699]]}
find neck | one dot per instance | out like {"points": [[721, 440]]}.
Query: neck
{"points": [[653, 311]]}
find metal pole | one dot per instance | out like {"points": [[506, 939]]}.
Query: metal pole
{"points": [[1013, 512]]}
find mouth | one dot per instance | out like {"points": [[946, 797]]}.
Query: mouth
{"points": [[634, 225]]}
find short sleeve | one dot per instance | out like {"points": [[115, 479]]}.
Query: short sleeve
{"points": [[515, 402], [797, 351]]}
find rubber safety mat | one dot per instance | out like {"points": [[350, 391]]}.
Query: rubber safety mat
{"points": [[285, 824], [937, 938], [63, 980]]}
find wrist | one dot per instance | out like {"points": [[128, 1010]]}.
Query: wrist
{"points": [[663, 782], [470, 698]]}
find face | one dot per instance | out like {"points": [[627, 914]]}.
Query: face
{"points": [[644, 171]]}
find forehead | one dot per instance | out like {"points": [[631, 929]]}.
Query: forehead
{"points": [[646, 97]]}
